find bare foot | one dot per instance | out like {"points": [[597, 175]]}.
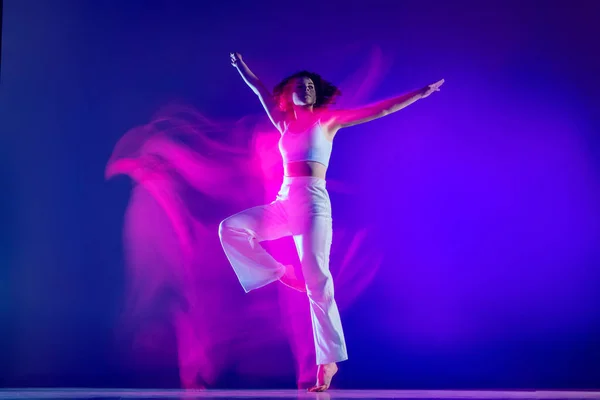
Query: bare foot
{"points": [[325, 373], [290, 279]]}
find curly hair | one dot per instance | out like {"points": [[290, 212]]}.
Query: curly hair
{"points": [[326, 91]]}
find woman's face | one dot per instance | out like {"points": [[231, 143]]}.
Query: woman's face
{"points": [[303, 91]]}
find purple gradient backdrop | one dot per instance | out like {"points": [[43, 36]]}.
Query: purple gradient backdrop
{"points": [[483, 198]]}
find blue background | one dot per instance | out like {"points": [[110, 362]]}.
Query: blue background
{"points": [[484, 197]]}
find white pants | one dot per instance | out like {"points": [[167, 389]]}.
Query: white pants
{"points": [[302, 210]]}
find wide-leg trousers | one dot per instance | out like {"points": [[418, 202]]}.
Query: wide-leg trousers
{"points": [[302, 209]]}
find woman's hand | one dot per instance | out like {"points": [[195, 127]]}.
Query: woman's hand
{"points": [[236, 59], [434, 87]]}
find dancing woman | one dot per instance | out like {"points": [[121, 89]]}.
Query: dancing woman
{"points": [[299, 109]]}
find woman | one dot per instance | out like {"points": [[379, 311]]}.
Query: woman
{"points": [[299, 110]]}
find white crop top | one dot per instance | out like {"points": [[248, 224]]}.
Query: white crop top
{"points": [[310, 145]]}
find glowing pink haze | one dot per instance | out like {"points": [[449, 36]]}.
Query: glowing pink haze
{"points": [[189, 173]]}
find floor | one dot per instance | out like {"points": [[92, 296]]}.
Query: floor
{"points": [[107, 394]]}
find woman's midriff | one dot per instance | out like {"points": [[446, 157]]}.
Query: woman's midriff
{"points": [[305, 168]]}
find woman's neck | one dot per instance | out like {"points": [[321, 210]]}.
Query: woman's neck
{"points": [[303, 113]]}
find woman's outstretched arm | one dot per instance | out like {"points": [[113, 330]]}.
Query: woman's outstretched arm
{"points": [[264, 95], [345, 118]]}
